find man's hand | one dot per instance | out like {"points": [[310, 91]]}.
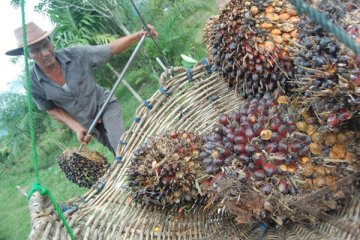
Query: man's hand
{"points": [[82, 135], [151, 31]]}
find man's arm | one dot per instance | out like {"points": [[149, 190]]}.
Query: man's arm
{"points": [[123, 43], [62, 116]]}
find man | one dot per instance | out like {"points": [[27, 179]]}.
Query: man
{"points": [[63, 86]]}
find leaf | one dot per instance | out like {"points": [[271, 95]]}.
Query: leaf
{"points": [[188, 58]]}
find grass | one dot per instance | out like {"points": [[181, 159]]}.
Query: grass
{"points": [[14, 213]]}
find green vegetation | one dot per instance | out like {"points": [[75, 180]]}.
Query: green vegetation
{"points": [[179, 23]]}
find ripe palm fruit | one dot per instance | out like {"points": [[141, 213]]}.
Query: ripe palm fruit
{"points": [[259, 138], [83, 168], [164, 170], [248, 44], [328, 75]]}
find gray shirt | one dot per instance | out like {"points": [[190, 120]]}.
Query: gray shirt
{"points": [[81, 97]]}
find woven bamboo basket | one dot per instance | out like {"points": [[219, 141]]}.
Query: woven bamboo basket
{"points": [[106, 211]]}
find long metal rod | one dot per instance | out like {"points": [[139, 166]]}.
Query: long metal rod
{"points": [[131, 89], [152, 37], [118, 81]]}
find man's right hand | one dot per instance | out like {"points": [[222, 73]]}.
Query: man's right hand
{"points": [[62, 116], [82, 135]]}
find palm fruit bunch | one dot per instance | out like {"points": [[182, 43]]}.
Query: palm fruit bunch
{"points": [[164, 169], [83, 167], [253, 155], [328, 74], [334, 155], [248, 43]]}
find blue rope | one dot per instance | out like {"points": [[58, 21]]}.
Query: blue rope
{"points": [[326, 23], [212, 98], [137, 119], [118, 159], [99, 186], [189, 74], [206, 64], [122, 142], [148, 105], [164, 91]]}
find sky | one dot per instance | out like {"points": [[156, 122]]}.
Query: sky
{"points": [[10, 20]]}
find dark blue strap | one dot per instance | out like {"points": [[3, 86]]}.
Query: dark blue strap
{"points": [[189, 74], [205, 62], [148, 105], [261, 230], [99, 186], [137, 119], [212, 98], [68, 208], [122, 142], [164, 91]]}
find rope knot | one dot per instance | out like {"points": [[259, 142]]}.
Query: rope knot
{"points": [[37, 187]]}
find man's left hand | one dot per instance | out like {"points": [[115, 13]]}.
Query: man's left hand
{"points": [[150, 31]]}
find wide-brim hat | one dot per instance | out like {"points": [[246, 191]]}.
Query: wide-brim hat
{"points": [[34, 34]]}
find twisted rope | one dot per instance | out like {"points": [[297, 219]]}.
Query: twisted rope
{"points": [[324, 22], [36, 186]]}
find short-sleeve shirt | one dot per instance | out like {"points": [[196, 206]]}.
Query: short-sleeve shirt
{"points": [[81, 97]]}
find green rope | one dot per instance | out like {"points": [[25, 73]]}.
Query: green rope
{"points": [[37, 186], [326, 23]]}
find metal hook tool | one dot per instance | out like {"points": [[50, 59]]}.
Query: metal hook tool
{"points": [[152, 37], [118, 81]]}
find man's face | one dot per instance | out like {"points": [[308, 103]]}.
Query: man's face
{"points": [[42, 53]]}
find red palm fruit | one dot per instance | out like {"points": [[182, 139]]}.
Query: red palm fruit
{"points": [[271, 147], [259, 159], [275, 137], [224, 119], [257, 128], [287, 121], [283, 147], [244, 157], [283, 130], [211, 169], [266, 189], [240, 131], [249, 148], [283, 186], [259, 174], [332, 121], [240, 140], [229, 130], [249, 134], [269, 169], [239, 148], [208, 161], [219, 162], [218, 130], [345, 115], [251, 118], [279, 158], [304, 139], [295, 147], [173, 134], [231, 137], [225, 152], [274, 127], [304, 151]]}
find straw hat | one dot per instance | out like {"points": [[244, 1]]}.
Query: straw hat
{"points": [[34, 34]]}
